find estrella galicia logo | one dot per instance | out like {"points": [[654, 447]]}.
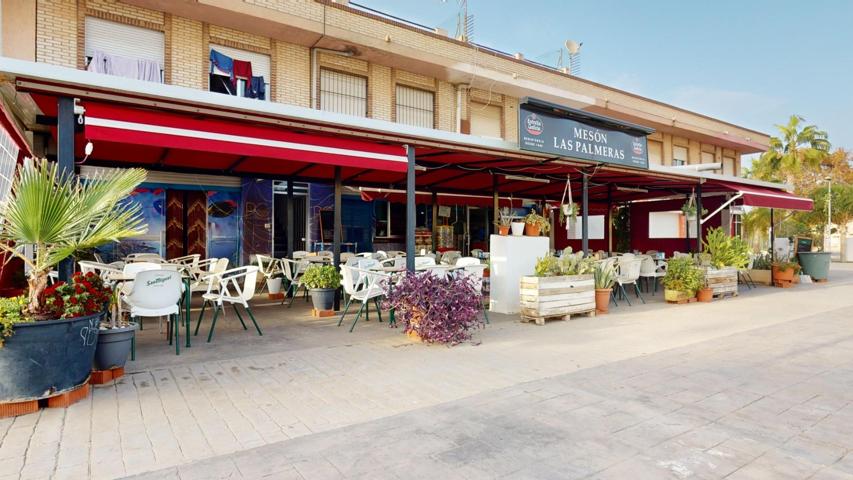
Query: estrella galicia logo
{"points": [[533, 124], [637, 146]]}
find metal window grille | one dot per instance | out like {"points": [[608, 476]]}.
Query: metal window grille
{"points": [[415, 107], [343, 93], [8, 160]]}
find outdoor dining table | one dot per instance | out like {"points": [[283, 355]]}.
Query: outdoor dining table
{"points": [[186, 276]]}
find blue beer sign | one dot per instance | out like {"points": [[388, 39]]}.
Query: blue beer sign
{"points": [[566, 132]]}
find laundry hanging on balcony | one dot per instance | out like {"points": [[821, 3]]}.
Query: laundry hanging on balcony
{"points": [[135, 68]]}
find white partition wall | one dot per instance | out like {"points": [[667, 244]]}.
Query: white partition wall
{"points": [[511, 258]]}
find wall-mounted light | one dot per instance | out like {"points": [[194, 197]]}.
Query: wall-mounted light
{"points": [[87, 150]]}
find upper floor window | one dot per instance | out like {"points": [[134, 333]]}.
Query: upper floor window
{"points": [[486, 120], [655, 152], [343, 93], [415, 106], [729, 166], [679, 156], [239, 72], [124, 50]]}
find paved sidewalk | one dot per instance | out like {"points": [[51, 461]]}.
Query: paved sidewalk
{"points": [[771, 403], [305, 377]]}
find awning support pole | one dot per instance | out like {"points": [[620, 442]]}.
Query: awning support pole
{"points": [[687, 227], [609, 218], [434, 221], [584, 215], [410, 208], [65, 158], [721, 207], [496, 206], [699, 218], [290, 219], [338, 233], [772, 247]]}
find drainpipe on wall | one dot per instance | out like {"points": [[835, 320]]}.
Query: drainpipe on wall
{"points": [[315, 70]]}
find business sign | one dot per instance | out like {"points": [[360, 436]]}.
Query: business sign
{"points": [[565, 137]]}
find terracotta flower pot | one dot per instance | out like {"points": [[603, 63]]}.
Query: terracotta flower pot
{"points": [[602, 300], [531, 230], [503, 230], [705, 294], [783, 277]]}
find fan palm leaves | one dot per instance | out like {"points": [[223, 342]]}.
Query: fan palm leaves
{"points": [[59, 215], [798, 147]]}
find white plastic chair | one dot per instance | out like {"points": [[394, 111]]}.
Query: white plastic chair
{"points": [[365, 286], [649, 269], [236, 287], [467, 261], [156, 293], [144, 257], [449, 257], [188, 261], [268, 267], [474, 271], [102, 269], [476, 252], [423, 262], [397, 263], [346, 256], [629, 273], [299, 254], [201, 276], [395, 253], [379, 255], [293, 270]]}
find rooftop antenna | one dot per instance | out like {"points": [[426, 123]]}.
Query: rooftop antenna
{"points": [[464, 23], [574, 49]]}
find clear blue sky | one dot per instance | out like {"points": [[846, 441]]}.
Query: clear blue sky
{"points": [[752, 63]]}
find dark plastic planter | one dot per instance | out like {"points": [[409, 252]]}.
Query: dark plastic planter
{"points": [[816, 264], [45, 358], [114, 347], [323, 298]]}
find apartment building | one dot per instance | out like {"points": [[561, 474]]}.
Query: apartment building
{"points": [[353, 64]]}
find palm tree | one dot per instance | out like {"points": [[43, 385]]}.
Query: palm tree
{"points": [[799, 147], [59, 215], [842, 209]]}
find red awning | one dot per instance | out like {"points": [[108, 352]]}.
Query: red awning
{"points": [[425, 198], [7, 124], [756, 196], [118, 123]]}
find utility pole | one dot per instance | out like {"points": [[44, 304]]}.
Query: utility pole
{"points": [[827, 234]]}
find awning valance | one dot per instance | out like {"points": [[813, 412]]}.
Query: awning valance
{"points": [[425, 198], [756, 196], [128, 125]]}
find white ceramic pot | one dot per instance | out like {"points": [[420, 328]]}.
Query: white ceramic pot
{"points": [[517, 228], [274, 285]]}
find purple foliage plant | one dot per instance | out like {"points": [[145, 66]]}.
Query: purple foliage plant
{"points": [[438, 309]]}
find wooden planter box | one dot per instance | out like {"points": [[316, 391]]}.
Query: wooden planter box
{"points": [[722, 281], [549, 297], [761, 276]]}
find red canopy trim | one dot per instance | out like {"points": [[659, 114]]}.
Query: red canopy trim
{"points": [[117, 123], [9, 126], [425, 198], [766, 197]]}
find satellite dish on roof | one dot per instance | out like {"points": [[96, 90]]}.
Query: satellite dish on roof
{"points": [[573, 47]]}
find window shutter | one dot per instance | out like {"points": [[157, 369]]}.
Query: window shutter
{"points": [[415, 106], [485, 120], [124, 40]]}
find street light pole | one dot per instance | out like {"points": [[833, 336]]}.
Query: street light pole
{"points": [[827, 247]]}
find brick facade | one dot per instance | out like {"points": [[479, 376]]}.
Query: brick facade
{"points": [[60, 39]]}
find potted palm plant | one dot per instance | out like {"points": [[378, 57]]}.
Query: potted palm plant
{"points": [[50, 348], [322, 281], [605, 277]]}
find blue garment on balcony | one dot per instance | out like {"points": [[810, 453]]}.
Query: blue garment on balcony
{"points": [[257, 88], [222, 62]]}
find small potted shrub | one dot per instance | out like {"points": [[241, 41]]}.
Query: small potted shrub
{"points": [[682, 280], [115, 338], [322, 281], [605, 278], [274, 286], [504, 221], [705, 293], [784, 272], [560, 287], [535, 224], [436, 309], [760, 271]]}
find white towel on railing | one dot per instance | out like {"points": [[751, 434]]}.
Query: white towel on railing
{"points": [[138, 69], [98, 64]]}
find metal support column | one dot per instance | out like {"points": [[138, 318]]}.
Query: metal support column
{"points": [[338, 233], [687, 229], [699, 218], [410, 209], [772, 249], [434, 221], [290, 224], [584, 215], [609, 218], [496, 204], [65, 158]]}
